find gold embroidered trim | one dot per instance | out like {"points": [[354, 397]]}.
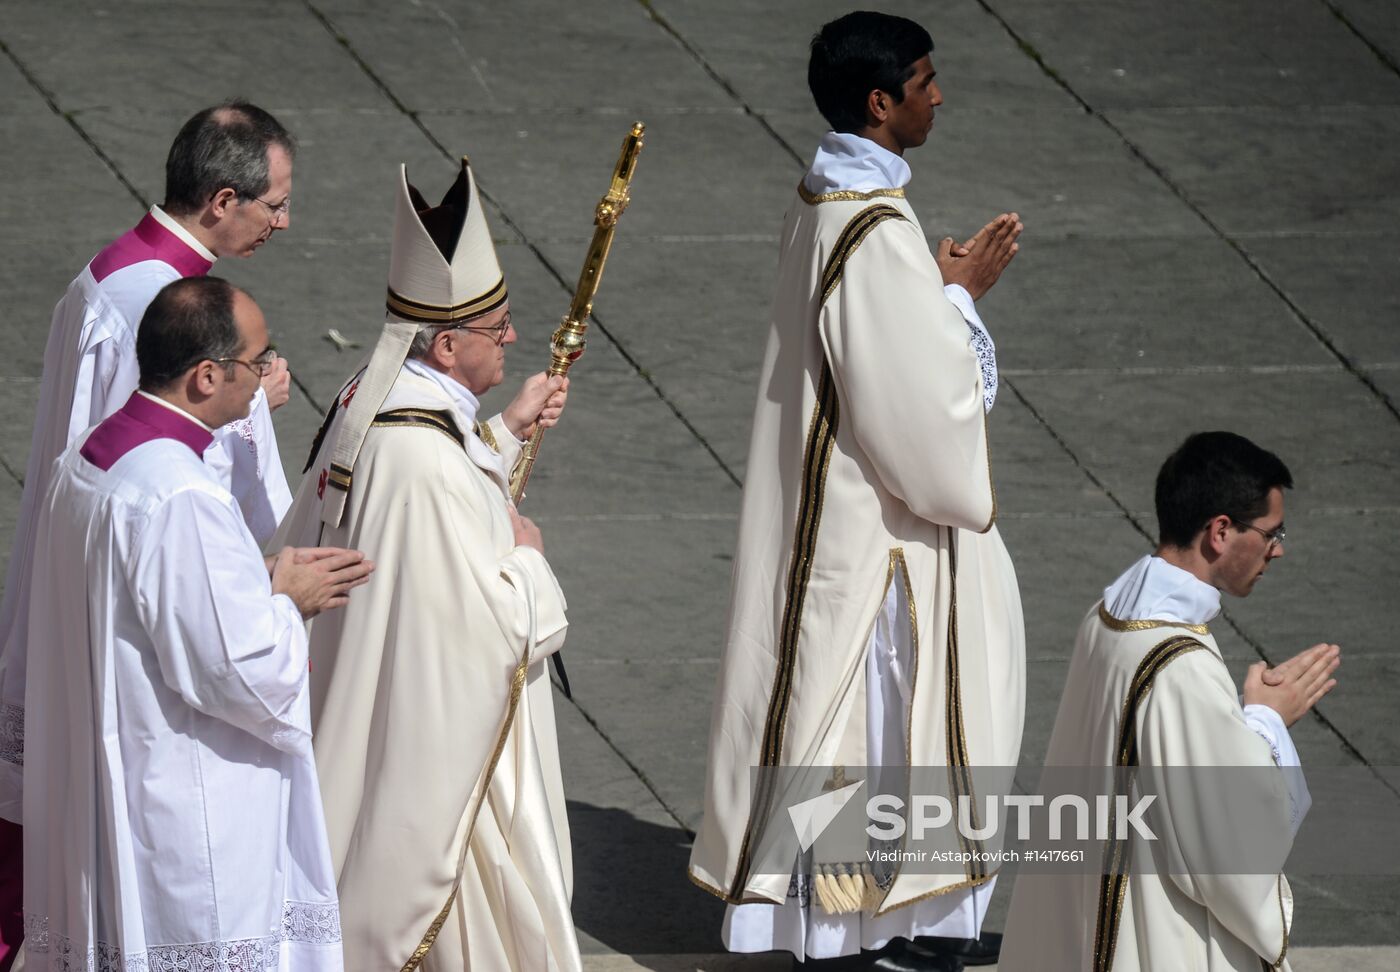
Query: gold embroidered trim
{"points": [[484, 433], [846, 195], [517, 685], [422, 418], [1283, 914], [339, 477], [821, 442], [1113, 886], [959, 774], [991, 484], [939, 892], [852, 236], [1113, 624], [415, 310]]}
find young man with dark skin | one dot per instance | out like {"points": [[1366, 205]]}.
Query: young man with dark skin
{"points": [[868, 493]]}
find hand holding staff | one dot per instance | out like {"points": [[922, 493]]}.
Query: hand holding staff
{"points": [[567, 344]]}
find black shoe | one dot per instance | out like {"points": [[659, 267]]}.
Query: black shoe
{"points": [[905, 956], [898, 956], [968, 951]]}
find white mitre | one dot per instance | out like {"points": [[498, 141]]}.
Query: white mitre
{"points": [[442, 270]]}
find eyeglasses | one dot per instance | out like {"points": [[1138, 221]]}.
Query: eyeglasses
{"points": [[282, 210], [259, 366], [1275, 537], [496, 331]]}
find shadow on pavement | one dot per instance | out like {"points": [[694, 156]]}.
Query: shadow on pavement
{"points": [[630, 887]]}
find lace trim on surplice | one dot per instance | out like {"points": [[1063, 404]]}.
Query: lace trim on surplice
{"points": [[305, 922], [12, 733]]}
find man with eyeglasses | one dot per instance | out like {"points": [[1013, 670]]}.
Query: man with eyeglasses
{"points": [[1147, 691], [435, 738], [172, 818], [228, 189]]}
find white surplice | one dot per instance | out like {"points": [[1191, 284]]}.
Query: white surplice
{"points": [[172, 818], [90, 369], [1164, 919], [849, 168]]}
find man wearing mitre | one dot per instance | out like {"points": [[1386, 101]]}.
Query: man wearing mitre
{"points": [[874, 615], [434, 717]]}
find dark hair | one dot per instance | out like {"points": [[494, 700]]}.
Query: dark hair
{"points": [[1210, 474], [223, 147], [191, 320], [858, 53]]}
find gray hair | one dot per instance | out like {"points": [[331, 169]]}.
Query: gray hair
{"points": [[423, 340], [223, 147]]}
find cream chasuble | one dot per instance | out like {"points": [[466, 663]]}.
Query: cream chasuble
{"points": [[868, 477], [172, 819], [434, 715], [1145, 650], [89, 371]]}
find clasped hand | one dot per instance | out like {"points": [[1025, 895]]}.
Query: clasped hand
{"points": [[977, 264]]}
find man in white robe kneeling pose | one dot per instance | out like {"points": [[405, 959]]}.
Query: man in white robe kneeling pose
{"points": [[874, 615], [1148, 694], [433, 710], [171, 814]]}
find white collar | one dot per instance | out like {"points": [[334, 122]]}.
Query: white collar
{"points": [[461, 395], [175, 408], [850, 162], [1154, 590], [186, 237]]}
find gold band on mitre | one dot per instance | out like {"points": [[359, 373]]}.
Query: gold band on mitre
{"points": [[422, 313]]}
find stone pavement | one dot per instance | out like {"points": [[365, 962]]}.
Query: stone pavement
{"points": [[1210, 196]]}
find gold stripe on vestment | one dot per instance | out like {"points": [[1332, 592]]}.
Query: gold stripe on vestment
{"points": [[845, 195], [422, 418], [339, 477], [850, 239], [959, 770], [1113, 886], [484, 433], [821, 442], [517, 685], [1114, 624], [821, 438]]}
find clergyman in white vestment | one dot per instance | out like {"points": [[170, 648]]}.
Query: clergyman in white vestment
{"points": [[219, 202], [874, 616], [171, 814], [1146, 668], [434, 715]]}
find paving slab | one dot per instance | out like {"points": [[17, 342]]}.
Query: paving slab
{"points": [[1341, 444], [1287, 53], [1101, 303], [1216, 156], [1374, 20], [130, 52], [1344, 284], [715, 174], [455, 56], [71, 198]]}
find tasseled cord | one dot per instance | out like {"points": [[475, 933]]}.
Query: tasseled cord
{"points": [[843, 889]]}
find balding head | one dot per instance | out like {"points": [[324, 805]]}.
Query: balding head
{"points": [[222, 147], [189, 321]]}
